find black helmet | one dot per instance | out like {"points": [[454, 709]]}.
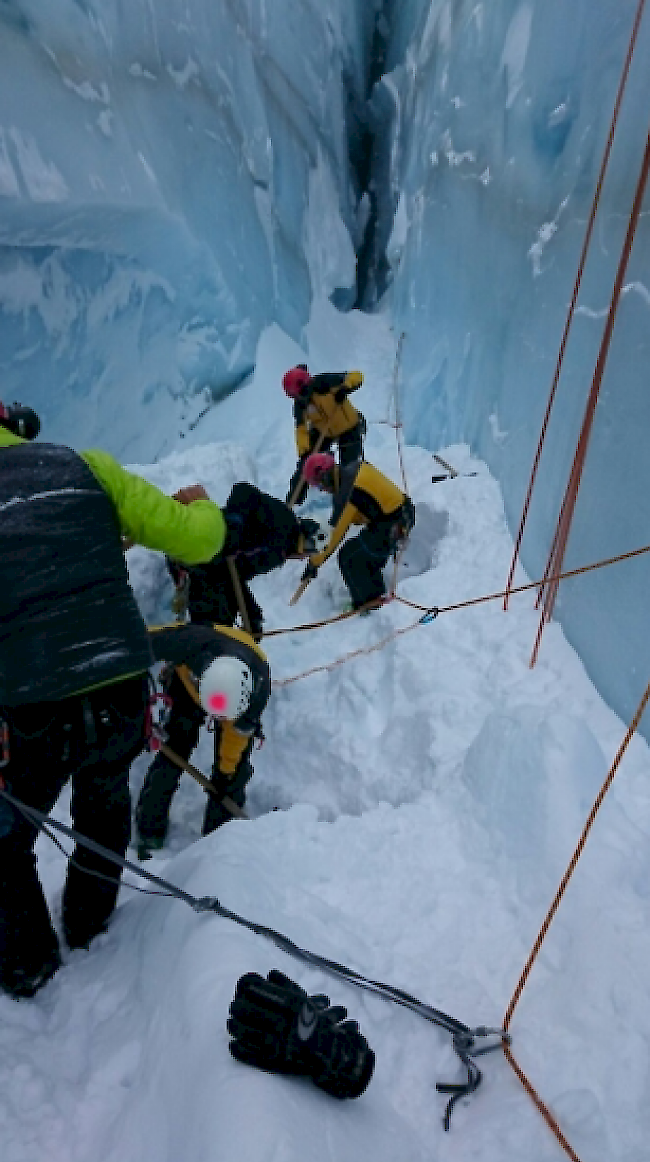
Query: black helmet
{"points": [[20, 420]]}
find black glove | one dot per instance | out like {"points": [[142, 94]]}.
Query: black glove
{"points": [[256, 622], [310, 572], [235, 527], [277, 1027], [309, 530], [308, 527], [22, 421]]}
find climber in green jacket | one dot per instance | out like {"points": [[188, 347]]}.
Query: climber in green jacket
{"points": [[74, 656]]}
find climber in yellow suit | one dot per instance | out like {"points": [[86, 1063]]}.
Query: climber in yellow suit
{"points": [[240, 687], [323, 416], [362, 496]]}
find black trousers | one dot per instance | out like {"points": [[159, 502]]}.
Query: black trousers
{"points": [[163, 777], [213, 600], [350, 449], [361, 561], [91, 740]]}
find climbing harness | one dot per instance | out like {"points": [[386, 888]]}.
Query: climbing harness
{"points": [[468, 1043], [154, 731]]}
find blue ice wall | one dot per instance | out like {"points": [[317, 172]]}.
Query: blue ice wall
{"points": [[499, 117], [155, 170], [176, 174]]}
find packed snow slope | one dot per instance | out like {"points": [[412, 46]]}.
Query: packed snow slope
{"points": [[177, 175], [431, 791]]}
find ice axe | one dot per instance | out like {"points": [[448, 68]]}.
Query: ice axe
{"points": [[239, 594], [317, 447], [451, 471], [196, 774], [300, 590]]}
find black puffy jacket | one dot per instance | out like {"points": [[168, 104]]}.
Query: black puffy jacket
{"points": [[68, 618]]}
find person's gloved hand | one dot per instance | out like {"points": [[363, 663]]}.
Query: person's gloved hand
{"points": [[190, 493], [234, 530], [309, 531], [309, 573], [308, 526], [276, 1026], [22, 421], [256, 622]]}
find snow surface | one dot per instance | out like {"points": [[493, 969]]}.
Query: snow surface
{"points": [[430, 795], [177, 176]]}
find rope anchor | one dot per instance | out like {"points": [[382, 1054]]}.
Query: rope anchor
{"points": [[465, 1046], [430, 615], [463, 1038]]}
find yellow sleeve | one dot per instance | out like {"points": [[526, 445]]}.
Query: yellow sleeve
{"points": [[192, 533], [338, 532], [353, 380], [232, 745], [303, 439]]}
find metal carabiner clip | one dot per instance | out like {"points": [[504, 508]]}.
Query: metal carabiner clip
{"points": [[5, 750]]}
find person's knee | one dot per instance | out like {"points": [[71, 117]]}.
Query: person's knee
{"points": [[348, 552]]}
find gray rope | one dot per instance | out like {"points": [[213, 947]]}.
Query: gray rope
{"points": [[463, 1038]]}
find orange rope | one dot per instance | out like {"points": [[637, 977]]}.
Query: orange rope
{"points": [[568, 504], [433, 610], [460, 604], [400, 456], [530, 584], [398, 422], [543, 1109], [550, 915], [327, 666], [576, 290]]}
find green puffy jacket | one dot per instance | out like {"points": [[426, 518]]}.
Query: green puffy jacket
{"points": [[192, 534]]}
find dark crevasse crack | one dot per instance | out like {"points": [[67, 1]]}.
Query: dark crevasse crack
{"points": [[366, 153]]}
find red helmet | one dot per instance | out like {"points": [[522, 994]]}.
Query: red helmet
{"points": [[294, 380], [316, 466]]}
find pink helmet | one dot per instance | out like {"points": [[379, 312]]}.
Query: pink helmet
{"points": [[294, 380], [316, 466]]}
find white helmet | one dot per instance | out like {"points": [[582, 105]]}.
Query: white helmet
{"points": [[226, 688]]}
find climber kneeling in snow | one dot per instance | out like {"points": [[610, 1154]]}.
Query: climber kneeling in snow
{"points": [[218, 671], [263, 533], [362, 496], [74, 656], [323, 416]]}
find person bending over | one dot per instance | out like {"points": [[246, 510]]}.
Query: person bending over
{"points": [[323, 417], [74, 656], [362, 495], [218, 671]]}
